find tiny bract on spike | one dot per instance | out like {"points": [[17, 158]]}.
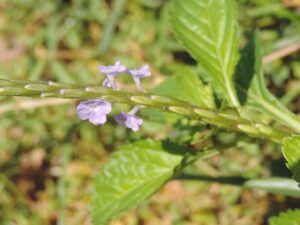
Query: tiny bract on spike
{"points": [[51, 83], [62, 91]]}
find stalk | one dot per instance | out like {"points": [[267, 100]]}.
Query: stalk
{"points": [[228, 119]]}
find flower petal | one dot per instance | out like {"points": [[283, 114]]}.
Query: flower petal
{"points": [[121, 118], [97, 119], [103, 108], [131, 121]]}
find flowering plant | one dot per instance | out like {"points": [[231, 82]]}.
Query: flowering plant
{"points": [[232, 89]]}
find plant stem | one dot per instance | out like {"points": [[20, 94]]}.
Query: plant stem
{"points": [[61, 186], [228, 119], [280, 185]]}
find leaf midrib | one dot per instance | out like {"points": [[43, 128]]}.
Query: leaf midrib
{"points": [[224, 73], [232, 97]]}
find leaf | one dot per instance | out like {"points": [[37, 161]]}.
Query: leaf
{"points": [[252, 90], [291, 152], [60, 72], [290, 217], [208, 29], [132, 175], [185, 85]]}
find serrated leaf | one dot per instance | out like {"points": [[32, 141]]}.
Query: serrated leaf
{"points": [[290, 217], [132, 175], [291, 152], [208, 29], [252, 90]]}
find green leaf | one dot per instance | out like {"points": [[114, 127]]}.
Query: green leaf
{"points": [[208, 29], [61, 73], [185, 85], [133, 174], [290, 217], [291, 152], [252, 90]]}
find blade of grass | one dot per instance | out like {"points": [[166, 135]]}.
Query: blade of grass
{"points": [[61, 186], [111, 25]]}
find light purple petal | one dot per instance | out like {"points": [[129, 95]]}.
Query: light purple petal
{"points": [[112, 69], [145, 70], [102, 68], [94, 110], [97, 119], [103, 108], [131, 121], [82, 111], [83, 114], [141, 73], [121, 118]]}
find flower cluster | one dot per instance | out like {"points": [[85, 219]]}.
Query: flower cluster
{"points": [[96, 110]]}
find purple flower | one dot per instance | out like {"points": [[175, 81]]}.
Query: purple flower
{"points": [[111, 71], [130, 119], [139, 73], [94, 110]]}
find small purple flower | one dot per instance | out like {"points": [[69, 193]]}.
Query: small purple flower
{"points": [[111, 71], [130, 119], [94, 110], [139, 73]]}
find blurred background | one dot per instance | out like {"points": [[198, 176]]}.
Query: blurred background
{"points": [[48, 156]]}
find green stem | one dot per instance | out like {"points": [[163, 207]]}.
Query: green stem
{"points": [[284, 186], [228, 119]]}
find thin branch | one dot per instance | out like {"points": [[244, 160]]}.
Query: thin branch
{"points": [[281, 53], [279, 185]]}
